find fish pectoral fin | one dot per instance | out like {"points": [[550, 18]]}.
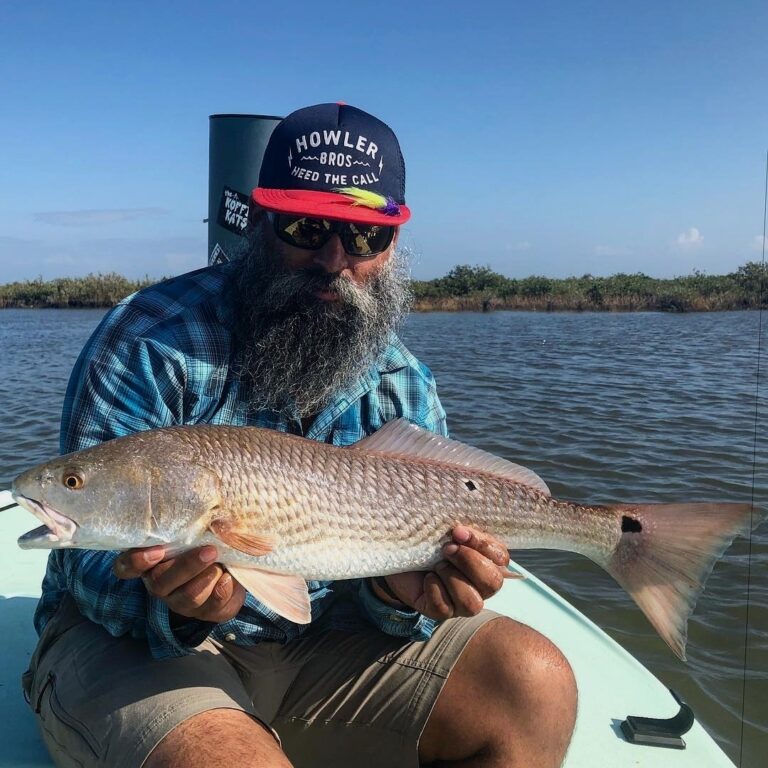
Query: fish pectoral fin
{"points": [[241, 540], [282, 593]]}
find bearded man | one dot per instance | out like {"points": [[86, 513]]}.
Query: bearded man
{"points": [[153, 660]]}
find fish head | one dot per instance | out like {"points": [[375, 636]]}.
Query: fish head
{"points": [[119, 494]]}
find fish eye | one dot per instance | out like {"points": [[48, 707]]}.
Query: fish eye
{"points": [[73, 480]]}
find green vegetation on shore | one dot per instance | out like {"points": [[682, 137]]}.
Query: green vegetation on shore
{"points": [[93, 291], [471, 288], [480, 288]]}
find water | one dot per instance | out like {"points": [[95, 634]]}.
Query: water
{"points": [[632, 407]]}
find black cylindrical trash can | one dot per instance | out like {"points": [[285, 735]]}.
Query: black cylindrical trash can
{"points": [[236, 147]]}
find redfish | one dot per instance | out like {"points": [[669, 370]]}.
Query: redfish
{"points": [[282, 509]]}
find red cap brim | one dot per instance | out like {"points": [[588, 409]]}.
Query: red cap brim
{"points": [[325, 205]]}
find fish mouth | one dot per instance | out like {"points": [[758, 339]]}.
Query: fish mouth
{"points": [[57, 530]]}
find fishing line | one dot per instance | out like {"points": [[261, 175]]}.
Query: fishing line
{"points": [[761, 297]]}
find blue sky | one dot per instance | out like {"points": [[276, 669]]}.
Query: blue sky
{"points": [[550, 138]]}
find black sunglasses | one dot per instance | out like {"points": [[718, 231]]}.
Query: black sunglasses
{"points": [[312, 234]]}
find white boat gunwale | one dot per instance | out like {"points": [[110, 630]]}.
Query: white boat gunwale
{"points": [[612, 683]]}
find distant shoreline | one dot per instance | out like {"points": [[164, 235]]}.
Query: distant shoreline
{"points": [[468, 289]]}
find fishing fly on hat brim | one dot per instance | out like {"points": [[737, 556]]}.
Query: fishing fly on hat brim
{"points": [[349, 205]]}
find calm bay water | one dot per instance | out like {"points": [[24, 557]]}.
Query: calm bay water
{"points": [[634, 407]]}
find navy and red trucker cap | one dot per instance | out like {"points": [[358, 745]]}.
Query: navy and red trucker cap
{"points": [[325, 161]]}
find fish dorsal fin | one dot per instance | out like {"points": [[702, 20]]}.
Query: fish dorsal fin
{"points": [[282, 593], [406, 439]]}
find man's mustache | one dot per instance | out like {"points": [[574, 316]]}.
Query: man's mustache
{"points": [[303, 283], [313, 279]]}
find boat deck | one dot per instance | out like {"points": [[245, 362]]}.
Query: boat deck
{"points": [[612, 684]]}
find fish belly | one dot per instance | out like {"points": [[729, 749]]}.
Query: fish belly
{"points": [[327, 563]]}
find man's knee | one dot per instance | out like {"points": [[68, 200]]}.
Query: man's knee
{"points": [[524, 658], [531, 682], [523, 668], [512, 697]]}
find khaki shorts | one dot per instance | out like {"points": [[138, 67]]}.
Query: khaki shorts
{"points": [[337, 698]]}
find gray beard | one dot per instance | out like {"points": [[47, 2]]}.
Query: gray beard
{"points": [[295, 352]]}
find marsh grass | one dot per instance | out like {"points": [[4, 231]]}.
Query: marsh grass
{"points": [[92, 291], [471, 288]]}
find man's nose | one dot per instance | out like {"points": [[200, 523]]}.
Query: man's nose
{"points": [[332, 257]]}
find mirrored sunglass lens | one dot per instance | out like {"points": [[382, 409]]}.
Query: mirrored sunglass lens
{"points": [[367, 240], [302, 231]]}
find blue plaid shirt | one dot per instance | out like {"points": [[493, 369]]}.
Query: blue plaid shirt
{"points": [[162, 357]]}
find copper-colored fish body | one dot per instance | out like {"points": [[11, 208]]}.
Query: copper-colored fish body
{"points": [[282, 509]]}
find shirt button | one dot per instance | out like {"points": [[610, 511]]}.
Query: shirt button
{"points": [[230, 637]]}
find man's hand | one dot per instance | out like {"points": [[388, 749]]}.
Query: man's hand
{"points": [[192, 584], [473, 571]]}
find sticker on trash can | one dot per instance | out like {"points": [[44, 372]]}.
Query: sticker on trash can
{"points": [[233, 211], [217, 256]]}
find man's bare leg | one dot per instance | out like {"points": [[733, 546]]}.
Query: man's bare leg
{"points": [[509, 701], [218, 738]]}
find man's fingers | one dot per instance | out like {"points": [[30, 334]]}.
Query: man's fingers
{"points": [[135, 562], [191, 584], [435, 601], [226, 601], [168, 576], [482, 573], [463, 595], [483, 543], [409, 587], [224, 590], [191, 596], [212, 595]]}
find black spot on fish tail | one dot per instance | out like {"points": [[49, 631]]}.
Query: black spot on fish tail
{"points": [[630, 525]]}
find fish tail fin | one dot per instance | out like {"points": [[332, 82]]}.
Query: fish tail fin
{"points": [[665, 554]]}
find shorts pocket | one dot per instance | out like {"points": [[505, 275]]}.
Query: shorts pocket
{"points": [[65, 729]]}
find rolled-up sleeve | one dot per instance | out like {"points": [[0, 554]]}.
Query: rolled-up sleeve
{"points": [[392, 621]]}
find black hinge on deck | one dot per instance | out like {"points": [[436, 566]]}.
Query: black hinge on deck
{"points": [[657, 732]]}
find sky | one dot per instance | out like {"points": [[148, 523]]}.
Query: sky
{"points": [[549, 138]]}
